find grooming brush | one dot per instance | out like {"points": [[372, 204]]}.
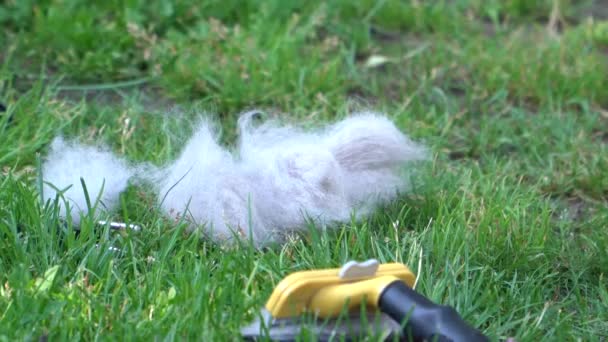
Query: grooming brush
{"points": [[334, 299]]}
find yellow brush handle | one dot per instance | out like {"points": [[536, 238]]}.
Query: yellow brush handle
{"points": [[331, 300]]}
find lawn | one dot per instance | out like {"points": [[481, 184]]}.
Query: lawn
{"points": [[508, 223]]}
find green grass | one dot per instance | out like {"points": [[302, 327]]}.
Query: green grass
{"points": [[508, 223]]}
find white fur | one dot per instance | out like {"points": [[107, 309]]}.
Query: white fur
{"points": [[105, 177], [370, 149], [279, 177]]}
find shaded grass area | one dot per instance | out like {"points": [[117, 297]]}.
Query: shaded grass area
{"points": [[508, 222]]}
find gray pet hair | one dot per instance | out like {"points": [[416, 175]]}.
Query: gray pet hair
{"points": [[278, 179]]}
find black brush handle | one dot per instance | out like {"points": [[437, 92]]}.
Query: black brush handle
{"points": [[425, 319]]}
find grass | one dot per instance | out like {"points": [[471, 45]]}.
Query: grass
{"points": [[508, 223]]}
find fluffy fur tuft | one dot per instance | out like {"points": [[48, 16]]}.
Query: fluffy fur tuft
{"points": [[279, 177], [105, 177]]}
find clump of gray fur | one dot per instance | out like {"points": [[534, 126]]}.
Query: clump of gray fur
{"points": [[279, 177]]}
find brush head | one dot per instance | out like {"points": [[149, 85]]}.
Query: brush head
{"points": [[295, 293], [327, 304]]}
